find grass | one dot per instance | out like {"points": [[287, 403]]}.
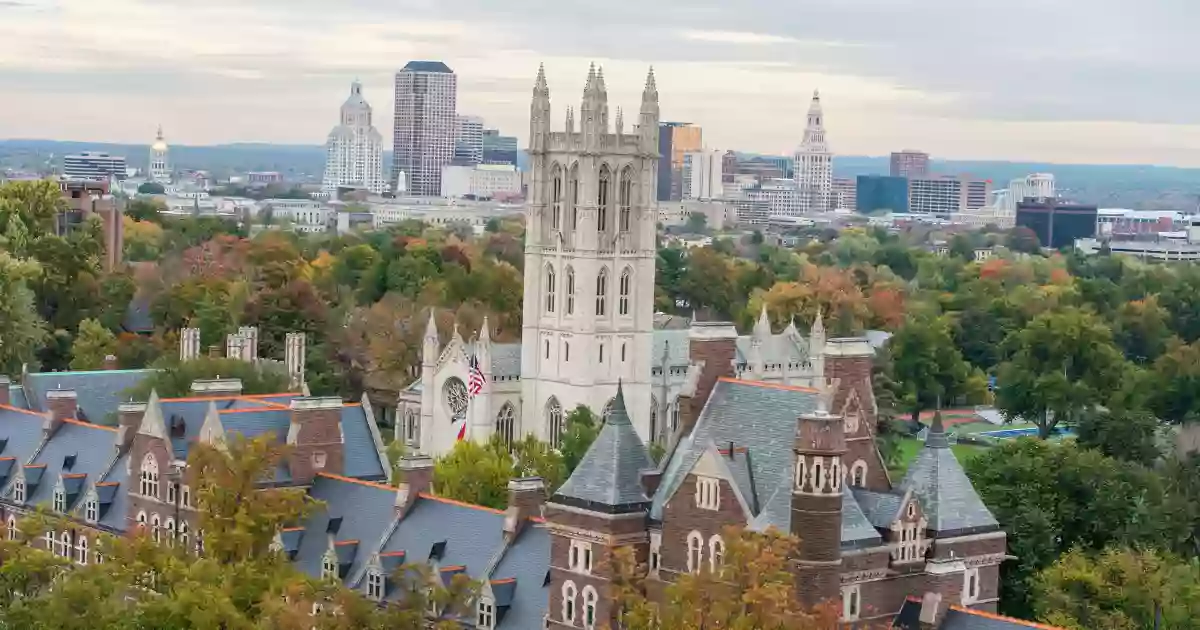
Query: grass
{"points": [[910, 447]]}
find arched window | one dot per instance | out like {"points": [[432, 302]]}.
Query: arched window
{"points": [[858, 474], [412, 428], [626, 281], [602, 199], [653, 414], [568, 603], [141, 521], [81, 550], [625, 197], [851, 602], [674, 416], [556, 192], [91, 510], [64, 547], [601, 291], [567, 351], [183, 536], [695, 557], [554, 422], [156, 528], [19, 490], [375, 585], [60, 500], [716, 553], [149, 486], [550, 289], [589, 607], [570, 292], [575, 197], [12, 527], [329, 566], [505, 423], [169, 528]]}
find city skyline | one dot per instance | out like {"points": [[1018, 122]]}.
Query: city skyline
{"points": [[981, 91]]}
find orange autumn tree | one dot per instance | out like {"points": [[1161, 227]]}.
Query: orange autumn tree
{"points": [[753, 590]]}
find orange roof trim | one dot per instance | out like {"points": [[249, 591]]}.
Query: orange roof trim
{"points": [[504, 580], [292, 529], [341, 543], [790, 388], [988, 615], [455, 567], [392, 554], [4, 458], [108, 483], [88, 424], [425, 495], [35, 465], [74, 475], [371, 484], [20, 410]]}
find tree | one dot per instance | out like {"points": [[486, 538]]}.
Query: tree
{"points": [[143, 240], [752, 588], [479, 473], [1176, 393], [1142, 330], [1119, 589], [22, 330], [1129, 435], [145, 210], [151, 188], [1052, 496], [1060, 365], [93, 343], [27, 213], [929, 368], [493, 225], [1023, 240], [697, 223], [173, 379], [581, 430]]}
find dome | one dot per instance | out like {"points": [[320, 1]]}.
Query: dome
{"points": [[159, 145]]}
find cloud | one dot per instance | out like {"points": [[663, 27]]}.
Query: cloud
{"points": [[1088, 80]]}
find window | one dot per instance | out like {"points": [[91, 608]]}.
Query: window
{"points": [[626, 280], [602, 200], [64, 545], [412, 428], [851, 602], [568, 603], [506, 423], [716, 553], [601, 291], [818, 480], [589, 607], [708, 493], [156, 528], [91, 510], [624, 197], [319, 459], [575, 197], [169, 528], [579, 557], [622, 353], [375, 585], [653, 409], [858, 474], [12, 527], [971, 586], [81, 550], [60, 500], [554, 422], [183, 536], [570, 293], [200, 543], [912, 509], [655, 552], [329, 566], [141, 521], [19, 490], [49, 541], [549, 289], [149, 478], [602, 354], [695, 543], [172, 493], [485, 615], [566, 351], [547, 349], [556, 197]]}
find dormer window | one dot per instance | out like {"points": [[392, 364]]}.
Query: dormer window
{"points": [[19, 490], [91, 510], [485, 615], [708, 493], [329, 566], [375, 585], [60, 500]]}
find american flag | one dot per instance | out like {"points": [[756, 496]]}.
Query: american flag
{"points": [[476, 379]]}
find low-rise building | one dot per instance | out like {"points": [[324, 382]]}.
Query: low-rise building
{"points": [[481, 181]]}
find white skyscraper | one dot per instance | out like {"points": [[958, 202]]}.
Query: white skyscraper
{"points": [[814, 162], [160, 159], [354, 151], [468, 140], [703, 172]]}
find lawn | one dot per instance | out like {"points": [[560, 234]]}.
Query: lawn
{"points": [[909, 447]]}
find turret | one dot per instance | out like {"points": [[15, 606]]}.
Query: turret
{"points": [[817, 503], [648, 118], [539, 112], [430, 345]]}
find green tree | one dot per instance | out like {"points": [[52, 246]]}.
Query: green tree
{"points": [[151, 188], [173, 379], [1129, 435], [1175, 396], [697, 223], [1119, 589], [1142, 330], [1061, 365], [928, 367], [22, 330], [146, 210], [91, 345], [582, 427], [474, 473], [493, 225], [27, 213]]}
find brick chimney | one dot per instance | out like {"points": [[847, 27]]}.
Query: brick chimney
{"points": [[129, 418], [713, 349], [5, 383], [526, 496], [110, 362], [416, 476], [61, 404], [315, 438]]}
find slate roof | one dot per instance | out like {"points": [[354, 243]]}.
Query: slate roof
{"points": [[428, 66], [115, 516], [958, 618], [880, 508], [366, 511], [778, 349], [16, 397], [677, 342], [94, 448], [98, 392], [948, 499], [857, 530], [526, 562], [608, 478]]}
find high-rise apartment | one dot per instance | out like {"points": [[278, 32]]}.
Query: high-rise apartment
{"points": [[94, 166], [703, 175], [468, 140], [354, 150], [946, 196], [814, 162], [910, 163], [675, 139], [498, 149], [425, 123], [844, 194]]}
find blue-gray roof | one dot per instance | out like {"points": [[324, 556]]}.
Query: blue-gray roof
{"points": [[366, 511], [427, 66], [21, 433], [472, 535], [98, 393], [957, 619], [16, 397], [506, 359], [677, 344], [857, 530], [776, 350], [880, 508], [526, 563], [93, 447], [115, 516], [609, 477], [949, 501]]}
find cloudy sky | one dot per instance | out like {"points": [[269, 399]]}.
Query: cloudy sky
{"points": [[1055, 80]]}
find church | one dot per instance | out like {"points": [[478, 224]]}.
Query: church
{"points": [[588, 312]]}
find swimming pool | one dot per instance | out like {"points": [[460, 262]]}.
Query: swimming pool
{"points": [[1008, 434]]}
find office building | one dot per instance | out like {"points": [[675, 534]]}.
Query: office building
{"points": [[675, 139], [814, 162], [881, 194], [844, 193], [265, 178], [946, 196], [729, 167], [909, 163], [480, 181], [160, 160], [703, 175], [87, 198], [1057, 223], [1001, 208], [498, 149], [354, 150], [94, 166], [425, 124], [468, 140]]}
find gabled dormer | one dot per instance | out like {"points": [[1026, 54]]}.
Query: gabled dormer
{"points": [[31, 478], [288, 540], [7, 466], [18, 488], [383, 575], [495, 599], [67, 490]]}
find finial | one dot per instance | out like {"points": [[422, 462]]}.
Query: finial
{"points": [[600, 79], [591, 78], [620, 121], [539, 86]]}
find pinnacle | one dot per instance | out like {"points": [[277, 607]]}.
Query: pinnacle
{"points": [[591, 78], [600, 79], [539, 86]]}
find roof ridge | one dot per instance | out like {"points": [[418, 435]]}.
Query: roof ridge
{"points": [[426, 495], [766, 385], [361, 482], [90, 425], [989, 615]]}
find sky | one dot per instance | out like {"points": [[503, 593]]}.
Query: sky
{"points": [[1079, 81]]}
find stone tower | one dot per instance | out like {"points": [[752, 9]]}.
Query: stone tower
{"points": [[817, 505], [160, 159], [589, 260], [814, 162]]}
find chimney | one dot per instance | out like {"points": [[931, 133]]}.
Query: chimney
{"points": [[294, 359], [129, 418], [416, 476], [110, 362], [931, 611], [217, 387], [214, 351], [315, 438], [5, 383], [525, 499], [713, 349], [62, 404]]}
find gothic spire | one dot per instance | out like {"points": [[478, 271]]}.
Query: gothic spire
{"points": [[762, 329], [818, 327], [650, 92], [936, 438], [485, 335], [539, 86], [600, 81], [431, 331], [591, 80], [620, 121]]}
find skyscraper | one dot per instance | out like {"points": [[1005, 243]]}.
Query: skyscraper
{"points": [[814, 162], [468, 140], [675, 139], [160, 159], [498, 149], [94, 165], [909, 163], [423, 140], [354, 151], [703, 174]]}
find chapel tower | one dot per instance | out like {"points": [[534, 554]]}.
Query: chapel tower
{"points": [[589, 260]]}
